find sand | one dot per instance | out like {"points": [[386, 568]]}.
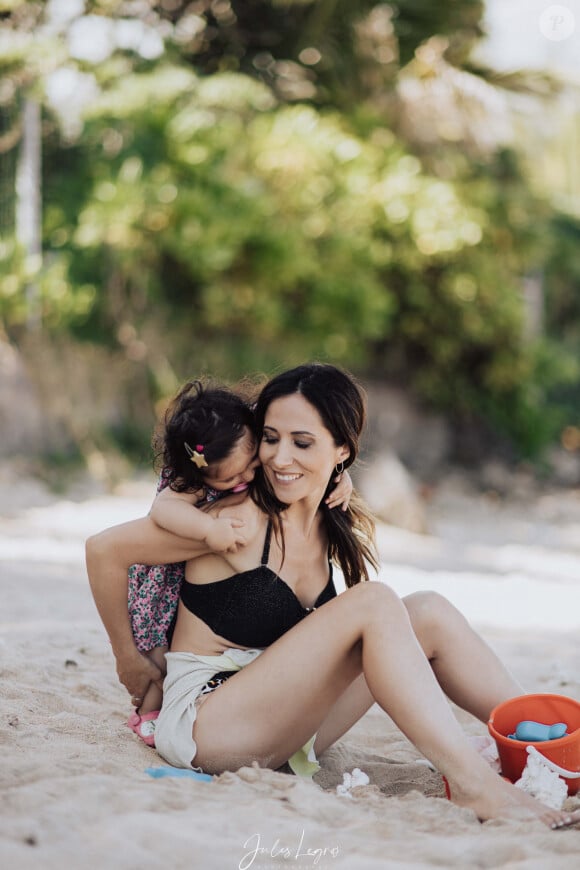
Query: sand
{"points": [[72, 779]]}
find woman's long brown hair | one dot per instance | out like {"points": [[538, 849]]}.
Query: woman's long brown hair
{"points": [[340, 401]]}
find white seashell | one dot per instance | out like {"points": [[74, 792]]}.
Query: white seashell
{"points": [[351, 780]]}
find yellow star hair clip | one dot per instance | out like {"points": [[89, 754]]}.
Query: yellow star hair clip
{"points": [[196, 455]]}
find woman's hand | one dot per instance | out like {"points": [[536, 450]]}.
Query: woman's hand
{"points": [[136, 672], [342, 492]]}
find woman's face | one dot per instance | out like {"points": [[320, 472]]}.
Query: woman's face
{"points": [[237, 470], [297, 451]]}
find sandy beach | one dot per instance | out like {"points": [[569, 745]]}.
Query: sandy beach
{"points": [[73, 782]]}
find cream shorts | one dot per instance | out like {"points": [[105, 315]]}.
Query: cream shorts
{"points": [[187, 674]]}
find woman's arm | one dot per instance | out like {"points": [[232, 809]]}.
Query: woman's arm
{"points": [[177, 512], [109, 556]]}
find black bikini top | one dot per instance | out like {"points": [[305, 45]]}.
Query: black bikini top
{"points": [[253, 608]]}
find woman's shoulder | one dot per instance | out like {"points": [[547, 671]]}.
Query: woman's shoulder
{"points": [[245, 510], [213, 565]]}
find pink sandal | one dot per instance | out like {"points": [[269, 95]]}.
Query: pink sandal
{"points": [[144, 726]]}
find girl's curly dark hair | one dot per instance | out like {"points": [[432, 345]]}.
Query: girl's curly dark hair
{"points": [[213, 417]]}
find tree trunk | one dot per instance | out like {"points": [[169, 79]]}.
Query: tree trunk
{"points": [[29, 205]]}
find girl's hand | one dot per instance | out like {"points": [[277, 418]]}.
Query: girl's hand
{"points": [[136, 672], [342, 492], [225, 535]]}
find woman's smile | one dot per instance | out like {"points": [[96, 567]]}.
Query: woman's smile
{"points": [[287, 478], [297, 450]]}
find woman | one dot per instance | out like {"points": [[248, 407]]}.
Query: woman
{"points": [[307, 664]]}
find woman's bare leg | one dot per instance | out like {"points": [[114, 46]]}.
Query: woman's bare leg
{"points": [[272, 707], [466, 668], [346, 712]]}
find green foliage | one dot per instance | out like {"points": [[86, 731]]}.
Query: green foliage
{"points": [[562, 279], [239, 204], [312, 49], [562, 313], [279, 222], [418, 20]]}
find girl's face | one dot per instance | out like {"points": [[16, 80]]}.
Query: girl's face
{"points": [[297, 451], [237, 470]]}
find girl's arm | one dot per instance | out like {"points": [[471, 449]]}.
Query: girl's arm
{"points": [[176, 512], [342, 492]]}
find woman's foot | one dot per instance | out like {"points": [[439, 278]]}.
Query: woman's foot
{"points": [[144, 725], [492, 797]]}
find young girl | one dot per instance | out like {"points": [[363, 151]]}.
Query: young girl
{"points": [[207, 450]]}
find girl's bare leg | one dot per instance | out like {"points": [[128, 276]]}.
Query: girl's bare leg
{"points": [[272, 707]]}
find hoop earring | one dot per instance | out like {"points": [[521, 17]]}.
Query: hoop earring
{"points": [[337, 469]]}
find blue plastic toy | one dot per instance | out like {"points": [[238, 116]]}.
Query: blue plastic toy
{"points": [[536, 732], [158, 772]]}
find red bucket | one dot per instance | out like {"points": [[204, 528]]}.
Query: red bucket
{"points": [[547, 709]]}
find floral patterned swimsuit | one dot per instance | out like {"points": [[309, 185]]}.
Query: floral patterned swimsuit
{"points": [[154, 591]]}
